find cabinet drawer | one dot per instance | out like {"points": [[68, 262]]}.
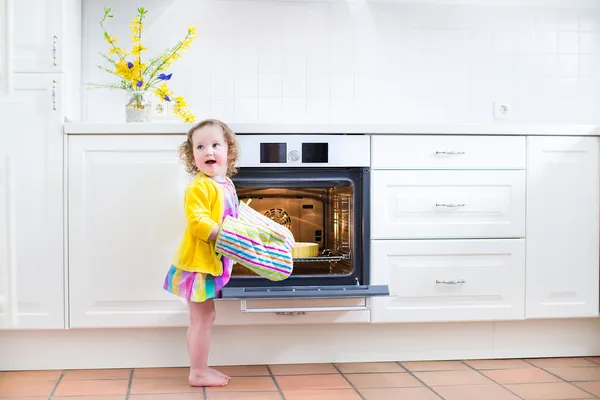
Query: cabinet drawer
{"points": [[448, 152], [447, 204], [449, 280]]}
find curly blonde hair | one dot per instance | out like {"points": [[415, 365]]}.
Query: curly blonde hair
{"points": [[186, 150]]}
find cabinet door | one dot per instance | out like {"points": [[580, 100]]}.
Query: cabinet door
{"points": [[37, 35], [448, 204], [449, 280], [125, 222], [31, 205], [562, 227]]}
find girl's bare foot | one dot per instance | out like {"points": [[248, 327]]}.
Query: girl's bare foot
{"points": [[222, 375], [206, 378]]}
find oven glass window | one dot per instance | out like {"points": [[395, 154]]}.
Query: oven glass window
{"points": [[321, 219], [273, 152]]}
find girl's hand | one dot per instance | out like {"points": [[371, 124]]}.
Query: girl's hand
{"points": [[215, 232]]}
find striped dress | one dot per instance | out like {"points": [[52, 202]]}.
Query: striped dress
{"points": [[197, 286]]}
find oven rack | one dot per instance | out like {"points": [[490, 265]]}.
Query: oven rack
{"points": [[323, 258]]}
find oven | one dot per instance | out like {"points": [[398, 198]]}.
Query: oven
{"points": [[317, 186]]}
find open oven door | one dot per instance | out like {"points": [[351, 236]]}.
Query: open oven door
{"points": [[306, 299], [304, 292]]}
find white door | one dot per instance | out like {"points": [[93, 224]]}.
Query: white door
{"points": [[562, 227], [447, 204], [125, 222], [37, 35], [449, 280], [31, 207]]}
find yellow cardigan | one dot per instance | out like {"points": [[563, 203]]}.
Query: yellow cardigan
{"points": [[204, 206]]}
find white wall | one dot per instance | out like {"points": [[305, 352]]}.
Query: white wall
{"points": [[362, 62]]}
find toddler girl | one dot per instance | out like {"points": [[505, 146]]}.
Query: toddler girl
{"points": [[198, 274]]}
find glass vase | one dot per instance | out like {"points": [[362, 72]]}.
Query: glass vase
{"points": [[138, 106]]}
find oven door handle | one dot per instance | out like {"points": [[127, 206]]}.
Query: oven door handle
{"points": [[244, 309]]}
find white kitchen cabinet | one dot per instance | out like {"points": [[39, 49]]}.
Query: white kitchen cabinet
{"points": [[448, 280], [447, 204], [37, 35], [31, 208], [125, 222], [562, 227], [448, 152]]}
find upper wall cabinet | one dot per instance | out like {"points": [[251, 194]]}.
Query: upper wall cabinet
{"points": [[37, 35], [562, 227]]}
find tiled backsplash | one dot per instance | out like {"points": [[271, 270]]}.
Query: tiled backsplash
{"points": [[363, 62]]}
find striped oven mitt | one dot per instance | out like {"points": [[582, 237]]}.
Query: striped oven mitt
{"points": [[251, 216], [257, 247]]}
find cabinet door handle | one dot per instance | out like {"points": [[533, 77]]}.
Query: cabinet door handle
{"points": [[12, 298], [8, 43], [449, 153], [54, 40], [449, 205], [54, 83], [456, 282]]}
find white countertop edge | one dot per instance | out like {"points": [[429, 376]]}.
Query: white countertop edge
{"points": [[179, 128]]}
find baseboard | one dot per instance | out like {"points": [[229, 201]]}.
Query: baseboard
{"points": [[245, 345]]}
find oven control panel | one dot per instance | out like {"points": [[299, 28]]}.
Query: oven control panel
{"points": [[277, 153], [304, 150]]}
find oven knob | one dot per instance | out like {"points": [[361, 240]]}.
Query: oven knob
{"points": [[294, 155]]}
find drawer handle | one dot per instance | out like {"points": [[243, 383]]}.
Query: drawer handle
{"points": [[294, 311], [460, 281], [449, 153], [449, 205]]}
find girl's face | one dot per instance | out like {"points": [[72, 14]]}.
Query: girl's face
{"points": [[210, 151]]}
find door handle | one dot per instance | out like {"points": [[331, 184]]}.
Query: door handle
{"points": [[8, 45]]}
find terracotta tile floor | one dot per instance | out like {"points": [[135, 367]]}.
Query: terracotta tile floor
{"points": [[528, 379]]}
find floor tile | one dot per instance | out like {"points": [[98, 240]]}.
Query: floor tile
{"points": [[92, 387], [475, 392], [577, 373], [561, 362], [92, 397], [247, 384], [96, 374], [548, 391], [443, 378], [25, 398], [592, 387], [162, 385], [240, 396], [330, 394], [31, 375], [14, 388], [165, 396], [593, 359], [303, 369], [498, 364], [525, 375], [421, 393], [244, 370], [383, 380], [153, 373], [312, 382], [350, 368], [434, 365]]}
